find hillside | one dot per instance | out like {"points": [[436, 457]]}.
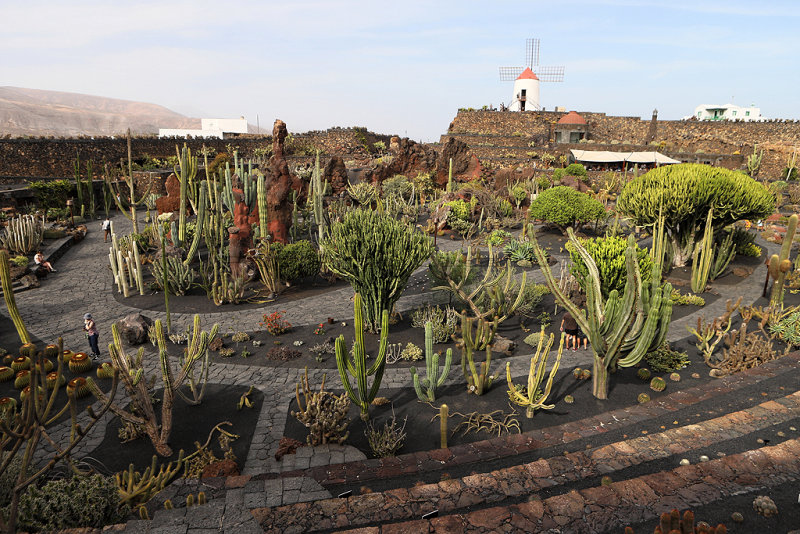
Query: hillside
{"points": [[43, 113]]}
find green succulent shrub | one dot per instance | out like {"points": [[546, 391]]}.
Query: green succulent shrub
{"points": [[498, 237], [459, 210], [532, 297], [19, 261], [574, 169], [684, 193], [296, 260], [518, 251], [52, 194], [505, 208], [609, 255], [397, 186], [666, 360], [564, 206], [80, 501], [377, 254], [788, 328]]}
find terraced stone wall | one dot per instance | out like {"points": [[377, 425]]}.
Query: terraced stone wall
{"points": [[54, 157], [778, 138]]}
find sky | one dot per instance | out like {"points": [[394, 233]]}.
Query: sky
{"points": [[405, 67]]}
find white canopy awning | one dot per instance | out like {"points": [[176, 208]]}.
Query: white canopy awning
{"points": [[604, 156]]}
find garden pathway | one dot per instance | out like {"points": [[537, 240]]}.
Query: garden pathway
{"points": [[84, 284]]}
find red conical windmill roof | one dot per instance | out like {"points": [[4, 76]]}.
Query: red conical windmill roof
{"points": [[527, 74]]}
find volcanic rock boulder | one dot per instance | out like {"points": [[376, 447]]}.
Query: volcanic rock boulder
{"points": [[466, 166], [575, 183], [133, 328], [335, 173], [408, 158]]}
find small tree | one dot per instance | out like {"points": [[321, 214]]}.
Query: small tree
{"points": [[684, 194], [566, 207]]}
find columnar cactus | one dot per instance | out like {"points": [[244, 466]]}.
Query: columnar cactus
{"points": [[202, 203], [186, 170], [702, 256], [434, 377], [23, 234], [478, 378], [11, 303], [534, 397], [622, 329], [357, 365], [780, 265]]}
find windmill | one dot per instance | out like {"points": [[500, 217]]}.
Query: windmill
{"points": [[527, 78]]}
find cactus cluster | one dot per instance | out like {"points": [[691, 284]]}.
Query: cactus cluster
{"points": [[126, 266], [322, 412], [23, 234], [426, 388], [8, 296], [621, 328], [780, 265], [535, 397]]}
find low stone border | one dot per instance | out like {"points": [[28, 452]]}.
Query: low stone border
{"points": [[515, 444], [448, 496]]}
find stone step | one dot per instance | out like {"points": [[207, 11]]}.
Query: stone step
{"points": [[610, 508], [557, 474]]}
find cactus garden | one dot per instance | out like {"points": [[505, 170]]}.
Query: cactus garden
{"points": [[293, 328]]}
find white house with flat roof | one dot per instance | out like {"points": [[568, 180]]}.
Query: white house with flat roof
{"points": [[727, 112], [209, 128]]}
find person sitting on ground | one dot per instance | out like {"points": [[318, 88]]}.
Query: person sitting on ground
{"points": [[38, 259]]}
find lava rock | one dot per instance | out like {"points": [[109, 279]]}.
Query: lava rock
{"points": [[133, 328]]}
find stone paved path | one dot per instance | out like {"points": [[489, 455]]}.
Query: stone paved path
{"points": [[84, 283]]}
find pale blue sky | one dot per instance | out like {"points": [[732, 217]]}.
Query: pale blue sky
{"points": [[404, 67]]}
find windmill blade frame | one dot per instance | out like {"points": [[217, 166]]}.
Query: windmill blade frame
{"points": [[509, 74], [532, 52], [550, 74]]}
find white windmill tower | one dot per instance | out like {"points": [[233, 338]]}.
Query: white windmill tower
{"points": [[527, 78]]}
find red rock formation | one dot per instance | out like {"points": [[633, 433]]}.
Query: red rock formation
{"points": [[408, 158], [466, 166], [280, 184], [172, 201]]}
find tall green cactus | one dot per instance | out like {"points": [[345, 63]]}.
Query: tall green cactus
{"points": [[434, 377], [317, 194], [478, 378], [534, 397], [622, 329], [702, 256], [200, 223], [11, 303], [357, 365], [263, 214], [130, 196], [779, 266], [186, 170]]}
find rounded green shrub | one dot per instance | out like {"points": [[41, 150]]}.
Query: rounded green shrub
{"points": [[80, 501], [609, 255], [297, 260], [564, 206]]}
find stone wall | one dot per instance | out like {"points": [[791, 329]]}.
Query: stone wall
{"points": [[778, 137], [32, 158]]}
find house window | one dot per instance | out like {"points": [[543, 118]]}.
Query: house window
{"points": [[746, 113], [734, 113], [699, 114]]}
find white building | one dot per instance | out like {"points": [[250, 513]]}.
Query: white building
{"points": [[526, 92], [209, 128], [728, 112]]}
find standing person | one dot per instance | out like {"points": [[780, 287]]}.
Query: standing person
{"points": [[570, 327], [91, 334], [106, 229]]}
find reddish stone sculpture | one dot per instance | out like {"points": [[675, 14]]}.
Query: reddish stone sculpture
{"points": [[335, 173], [280, 184], [240, 239], [172, 201]]}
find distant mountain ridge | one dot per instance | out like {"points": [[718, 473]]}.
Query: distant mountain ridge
{"points": [[39, 112]]}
